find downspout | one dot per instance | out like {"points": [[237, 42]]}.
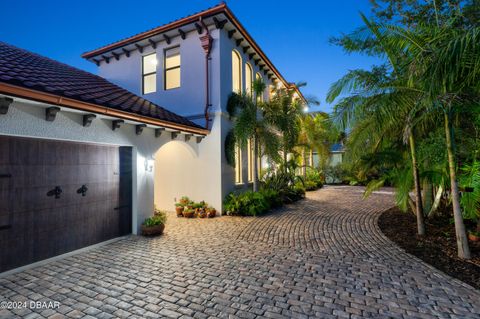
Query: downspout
{"points": [[206, 42]]}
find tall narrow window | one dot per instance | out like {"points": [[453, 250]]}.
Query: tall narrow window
{"points": [[149, 72], [236, 72], [250, 159], [238, 165], [258, 76], [248, 79], [172, 68]]}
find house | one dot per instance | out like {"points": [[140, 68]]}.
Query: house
{"points": [[84, 157]]}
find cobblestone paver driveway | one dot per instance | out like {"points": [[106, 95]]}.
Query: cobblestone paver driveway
{"points": [[324, 257]]}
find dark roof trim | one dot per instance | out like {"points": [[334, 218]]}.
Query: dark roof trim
{"points": [[221, 8], [39, 96]]}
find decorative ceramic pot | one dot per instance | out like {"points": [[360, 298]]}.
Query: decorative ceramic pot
{"points": [[153, 230]]}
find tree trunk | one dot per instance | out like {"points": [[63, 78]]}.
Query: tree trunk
{"points": [[462, 241], [255, 166], [418, 191], [304, 169]]}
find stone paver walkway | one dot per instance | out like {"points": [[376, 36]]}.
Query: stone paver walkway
{"points": [[323, 257]]}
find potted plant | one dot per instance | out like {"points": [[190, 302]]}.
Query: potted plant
{"points": [[198, 208], [188, 212], [155, 225], [179, 209], [211, 212], [474, 235]]}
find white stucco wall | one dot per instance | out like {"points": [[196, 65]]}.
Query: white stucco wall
{"points": [[210, 164], [27, 119]]}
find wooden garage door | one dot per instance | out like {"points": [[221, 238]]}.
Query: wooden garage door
{"points": [[36, 222]]}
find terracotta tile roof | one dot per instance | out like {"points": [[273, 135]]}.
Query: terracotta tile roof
{"points": [[29, 70]]}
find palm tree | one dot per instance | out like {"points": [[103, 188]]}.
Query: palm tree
{"points": [[381, 108], [440, 64], [284, 112], [249, 125], [316, 133]]}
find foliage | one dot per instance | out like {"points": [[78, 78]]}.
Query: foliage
{"points": [[283, 181], [272, 197], [160, 218], [470, 178], [429, 82], [230, 148], [313, 179], [246, 204]]}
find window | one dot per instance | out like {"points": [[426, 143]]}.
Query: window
{"points": [[248, 79], [238, 165], [172, 68], [236, 72], [149, 73], [250, 145], [258, 76]]}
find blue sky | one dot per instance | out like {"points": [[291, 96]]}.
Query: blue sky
{"points": [[295, 37]]}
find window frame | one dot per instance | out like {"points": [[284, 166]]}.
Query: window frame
{"points": [[249, 80], [250, 160], [150, 73], [261, 97], [238, 165], [240, 72], [165, 69]]}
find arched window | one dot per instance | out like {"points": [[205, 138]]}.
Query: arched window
{"points": [[258, 76], [236, 72], [248, 79]]}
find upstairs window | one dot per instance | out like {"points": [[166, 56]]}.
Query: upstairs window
{"points": [[248, 79], [149, 73], [258, 76], [172, 68], [236, 72]]}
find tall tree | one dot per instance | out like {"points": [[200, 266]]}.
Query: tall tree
{"points": [[249, 125]]}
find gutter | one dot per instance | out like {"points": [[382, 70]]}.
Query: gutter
{"points": [[39, 96]]}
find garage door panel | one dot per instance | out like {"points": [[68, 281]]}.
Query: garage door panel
{"points": [[25, 151], [4, 150], [44, 226]]}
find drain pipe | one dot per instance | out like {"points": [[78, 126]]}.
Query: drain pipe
{"points": [[206, 42]]}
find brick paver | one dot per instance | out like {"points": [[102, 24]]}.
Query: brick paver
{"points": [[322, 257]]}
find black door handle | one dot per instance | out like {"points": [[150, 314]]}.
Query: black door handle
{"points": [[55, 192], [82, 190]]}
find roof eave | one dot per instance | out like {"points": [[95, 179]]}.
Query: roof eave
{"points": [[44, 97]]}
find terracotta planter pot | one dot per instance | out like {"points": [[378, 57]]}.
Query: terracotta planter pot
{"points": [[188, 214], [473, 237], [179, 210], [152, 230], [211, 213], [202, 214]]}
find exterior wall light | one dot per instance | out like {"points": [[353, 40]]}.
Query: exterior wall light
{"points": [[149, 163]]}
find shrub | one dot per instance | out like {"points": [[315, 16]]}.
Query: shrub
{"points": [[160, 218], [283, 183], [246, 204], [313, 179], [272, 197]]}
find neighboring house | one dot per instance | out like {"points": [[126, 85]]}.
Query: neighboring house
{"points": [[84, 158], [337, 152]]}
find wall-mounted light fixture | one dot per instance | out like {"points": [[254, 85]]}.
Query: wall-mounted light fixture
{"points": [[149, 164], [5, 104]]}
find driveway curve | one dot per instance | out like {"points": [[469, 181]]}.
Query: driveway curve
{"points": [[322, 257]]}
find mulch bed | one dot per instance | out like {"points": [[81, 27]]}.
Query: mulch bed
{"points": [[438, 248]]}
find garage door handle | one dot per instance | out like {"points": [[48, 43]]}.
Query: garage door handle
{"points": [[55, 192], [82, 190], [5, 175], [3, 227]]}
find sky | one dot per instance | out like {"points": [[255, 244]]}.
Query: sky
{"points": [[294, 37]]}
